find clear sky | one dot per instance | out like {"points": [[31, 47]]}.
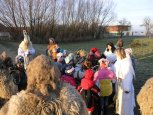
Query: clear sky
{"points": [[134, 10]]}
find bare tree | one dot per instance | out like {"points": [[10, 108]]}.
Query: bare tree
{"points": [[124, 21], [64, 19], [148, 24]]}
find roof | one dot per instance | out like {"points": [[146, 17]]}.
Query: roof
{"points": [[119, 26]]}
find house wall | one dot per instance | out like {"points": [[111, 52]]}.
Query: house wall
{"points": [[117, 28], [137, 33]]}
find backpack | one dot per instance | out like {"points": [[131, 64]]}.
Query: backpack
{"points": [[105, 87]]}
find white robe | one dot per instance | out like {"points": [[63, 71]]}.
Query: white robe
{"points": [[125, 102]]}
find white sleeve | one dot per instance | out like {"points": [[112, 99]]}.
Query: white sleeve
{"points": [[21, 52]]}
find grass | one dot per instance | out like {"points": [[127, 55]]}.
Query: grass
{"points": [[142, 50], [142, 47]]}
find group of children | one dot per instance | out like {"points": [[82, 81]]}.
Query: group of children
{"points": [[94, 74]]}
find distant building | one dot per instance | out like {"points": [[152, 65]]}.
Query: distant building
{"points": [[3, 33], [118, 30], [138, 31]]}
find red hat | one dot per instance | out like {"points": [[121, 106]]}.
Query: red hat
{"points": [[94, 50], [97, 54], [89, 74]]}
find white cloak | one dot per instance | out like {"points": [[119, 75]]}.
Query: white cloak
{"points": [[125, 102]]}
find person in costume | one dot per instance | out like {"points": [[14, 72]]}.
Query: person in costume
{"points": [[103, 79], [26, 49], [52, 49], [125, 101]]}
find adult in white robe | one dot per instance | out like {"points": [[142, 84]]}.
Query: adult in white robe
{"points": [[125, 101]]}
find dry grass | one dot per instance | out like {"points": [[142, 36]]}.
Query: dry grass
{"points": [[142, 47]]}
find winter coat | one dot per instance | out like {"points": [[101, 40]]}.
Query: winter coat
{"points": [[68, 79], [103, 78], [89, 91], [104, 73], [52, 50], [79, 73]]}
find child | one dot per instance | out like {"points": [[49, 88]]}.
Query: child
{"points": [[103, 79], [89, 91], [18, 73], [68, 77], [51, 49], [94, 56]]}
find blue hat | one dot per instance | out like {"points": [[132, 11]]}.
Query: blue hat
{"points": [[19, 59]]}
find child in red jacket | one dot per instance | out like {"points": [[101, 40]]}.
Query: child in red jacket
{"points": [[89, 91]]}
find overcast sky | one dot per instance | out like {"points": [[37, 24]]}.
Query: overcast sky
{"points": [[134, 10]]}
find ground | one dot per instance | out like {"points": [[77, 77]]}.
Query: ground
{"points": [[143, 51]]}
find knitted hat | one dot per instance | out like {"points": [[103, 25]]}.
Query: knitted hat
{"points": [[19, 59], [68, 59], [93, 50], [65, 52], [59, 56], [104, 62]]}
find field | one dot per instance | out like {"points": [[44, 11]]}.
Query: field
{"points": [[142, 50]]}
